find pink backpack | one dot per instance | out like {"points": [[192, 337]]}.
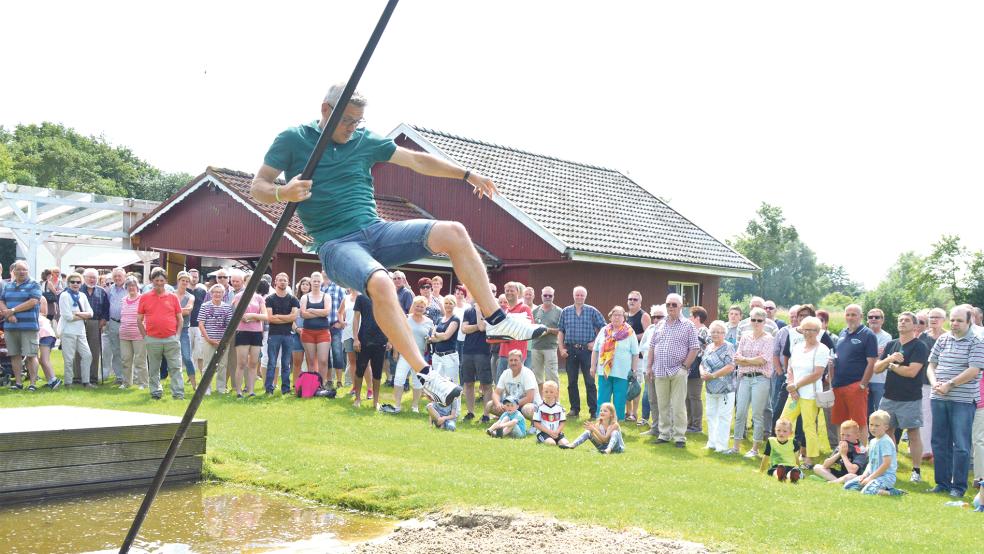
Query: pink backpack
{"points": [[307, 384]]}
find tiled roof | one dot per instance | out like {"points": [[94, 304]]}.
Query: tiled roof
{"points": [[578, 204], [390, 208]]}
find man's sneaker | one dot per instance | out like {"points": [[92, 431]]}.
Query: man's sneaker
{"points": [[55, 384], [751, 454], [916, 477], [15, 386], [32, 388], [514, 328], [469, 416], [485, 419], [439, 388]]}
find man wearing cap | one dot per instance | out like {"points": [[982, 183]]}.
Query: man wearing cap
{"points": [[353, 243], [519, 382]]}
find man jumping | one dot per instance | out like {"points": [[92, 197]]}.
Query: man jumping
{"points": [[354, 244]]}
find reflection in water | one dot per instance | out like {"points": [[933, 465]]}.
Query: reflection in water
{"points": [[198, 519]]}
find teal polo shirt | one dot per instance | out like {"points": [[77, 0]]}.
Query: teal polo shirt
{"points": [[342, 199]]}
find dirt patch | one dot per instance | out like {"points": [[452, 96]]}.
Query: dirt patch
{"points": [[482, 532]]}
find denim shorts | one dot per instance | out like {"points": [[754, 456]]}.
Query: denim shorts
{"points": [[352, 259]]}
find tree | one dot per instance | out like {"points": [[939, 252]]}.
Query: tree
{"points": [[906, 287], [834, 278], [789, 266], [53, 156]]}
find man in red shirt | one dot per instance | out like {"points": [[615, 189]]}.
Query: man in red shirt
{"points": [[159, 320], [516, 309]]}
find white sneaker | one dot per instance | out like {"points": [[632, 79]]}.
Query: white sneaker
{"points": [[514, 327], [916, 477], [439, 387], [751, 454]]}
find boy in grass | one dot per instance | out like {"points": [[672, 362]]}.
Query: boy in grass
{"points": [[848, 460], [511, 423], [780, 454], [549, 419], [879, 475], [444, 416]]}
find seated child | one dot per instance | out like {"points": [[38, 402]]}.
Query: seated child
{"points": [[549, 418], [849, 459], [444, 417], [979, 498], [511, 423], [605, 434], [879, 474], [780, 453]]}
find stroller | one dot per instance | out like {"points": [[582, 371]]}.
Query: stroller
{"points": [[6, 367]]}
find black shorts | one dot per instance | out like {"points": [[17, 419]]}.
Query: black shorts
{"points": [[542, 437], [370, 355], [249, 338], [476, 367]]}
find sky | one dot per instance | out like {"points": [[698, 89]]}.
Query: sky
{"points": [[862, 120]]}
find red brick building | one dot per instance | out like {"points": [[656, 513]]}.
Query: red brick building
{"points": [[556, 223]]}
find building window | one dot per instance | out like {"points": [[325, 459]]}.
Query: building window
{"points": [[689, 291]]}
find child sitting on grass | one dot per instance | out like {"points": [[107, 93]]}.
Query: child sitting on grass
{"points": [[605, 433], [780, 453], [879, 475], [443, 417], [511, 423], [848, 460], [549, 419]]}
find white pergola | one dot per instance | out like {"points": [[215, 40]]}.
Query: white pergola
{"points": [[59, 220]]}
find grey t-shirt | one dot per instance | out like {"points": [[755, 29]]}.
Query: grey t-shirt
{"points": [[549, 319], [421, 331]]}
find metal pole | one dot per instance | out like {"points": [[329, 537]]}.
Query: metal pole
{"points": [[261, 266]]}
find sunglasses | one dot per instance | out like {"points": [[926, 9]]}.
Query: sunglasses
{"points": [[222, 277], [874, 317], [768, 309], [425, 287], [757, 321], [75, 282], [634, 299], [672, 305], [922, 322], [546, 296]]}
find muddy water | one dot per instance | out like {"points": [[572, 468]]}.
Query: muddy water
{"points": [[193, 519]]}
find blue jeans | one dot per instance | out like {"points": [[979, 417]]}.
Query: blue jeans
{"points": [[613, 389], [352, 259], [337, 350], [875, 393], [186, 352], [952, 427], [278, 344]]}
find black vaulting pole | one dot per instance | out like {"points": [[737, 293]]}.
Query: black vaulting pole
{"points": [[261, 266]]}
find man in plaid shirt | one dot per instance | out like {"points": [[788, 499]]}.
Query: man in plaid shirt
{"points": [[673, 349]]}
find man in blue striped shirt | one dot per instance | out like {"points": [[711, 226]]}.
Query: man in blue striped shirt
{"points": [[20, 299], [954, 376]]}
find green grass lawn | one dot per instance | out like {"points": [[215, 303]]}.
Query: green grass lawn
{"points": [[398, 465]]}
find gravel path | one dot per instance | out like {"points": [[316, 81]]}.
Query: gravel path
{"points": [[483, 531]]}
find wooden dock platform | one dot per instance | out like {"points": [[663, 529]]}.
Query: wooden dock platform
{"points": [[50, 451]]}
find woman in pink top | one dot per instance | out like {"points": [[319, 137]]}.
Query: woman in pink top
{"points": [[249, 341], [132, 349], [754, 359]]}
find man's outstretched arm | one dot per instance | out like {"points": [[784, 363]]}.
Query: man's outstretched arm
{"points": [[426, 164], [266, 191]]}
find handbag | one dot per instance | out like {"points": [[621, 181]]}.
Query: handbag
{"points": [[635, 389], [824, 398]]}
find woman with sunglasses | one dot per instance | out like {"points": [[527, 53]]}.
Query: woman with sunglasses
{"points": [[754, 359], [74, 310]]}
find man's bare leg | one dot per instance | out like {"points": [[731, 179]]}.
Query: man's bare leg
{"points": [[451, 238], [391, 319]]}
